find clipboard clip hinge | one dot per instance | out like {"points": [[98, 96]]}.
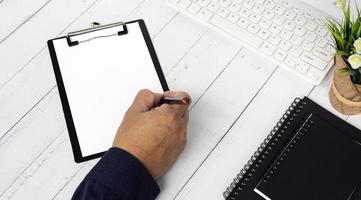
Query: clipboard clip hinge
{"points": [[95, 27]]}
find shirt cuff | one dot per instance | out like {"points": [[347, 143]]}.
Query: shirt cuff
{"points": [[125, 175]]}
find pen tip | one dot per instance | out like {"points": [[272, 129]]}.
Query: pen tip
{"points": [[186, 101]]}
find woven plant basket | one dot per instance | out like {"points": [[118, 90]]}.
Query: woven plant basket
{"points": [[345, 96]]}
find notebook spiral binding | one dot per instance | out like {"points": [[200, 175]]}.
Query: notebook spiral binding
{"points": [[236, 186], [302, 131]]}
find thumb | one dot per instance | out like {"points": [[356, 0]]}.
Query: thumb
{"points": [[145, 101]]}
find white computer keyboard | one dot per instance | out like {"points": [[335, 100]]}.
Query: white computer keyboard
{"points": [[290, 33]]}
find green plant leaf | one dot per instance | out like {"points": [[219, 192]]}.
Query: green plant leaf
{"points": [[344, 71]]}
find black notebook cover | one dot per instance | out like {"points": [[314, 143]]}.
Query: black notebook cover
{"points": [[273, 146], [320, 162]]}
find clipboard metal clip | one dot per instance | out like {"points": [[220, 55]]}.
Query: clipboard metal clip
{"points": [[95, 27]]}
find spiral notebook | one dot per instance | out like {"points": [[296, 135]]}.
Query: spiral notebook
{"points": [[310, 154]]}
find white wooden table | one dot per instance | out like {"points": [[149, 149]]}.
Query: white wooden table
{"points": [[237, 97]]}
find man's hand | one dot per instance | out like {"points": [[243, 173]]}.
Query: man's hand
{"points": [[155, 134]]}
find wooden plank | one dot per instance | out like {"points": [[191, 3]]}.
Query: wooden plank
{"points": [[29, 39], [193, 34], [14, 105], [199, 68], [176, 40], [214, 113], [29, 138], [215, 46], [218, 171], [67, 191], [155, 22], [34, 182], [25, 10], [36, 89], [45, 70]]}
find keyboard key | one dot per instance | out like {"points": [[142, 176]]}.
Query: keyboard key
{"points": [[224, 3], [307, 45], [269, 14], [280, 10], [290, 25], [274, 40], [279, 20], [203, 3], [285, 34], [331, 49], [287, 4], [185, 3], [309, 15], [223, 12], [296, 40], [321, 42], [322, 31], [300, 20], [275, 29], [265, 23], [280, 55], [235, 7], [205, 14], [290, 61], [238, 32], [296, 51], [233, 17], [264, 34], [243, 23], [311, 25], [320, 21], [258, 9], [311, 36], [300, 31], [213, 6], [313, 74], [194, 8], [285, 45], [323, 54], [268, 48], [298, 10], [290, 15], [255, 18], [244, 12], [269, 4], [248, 4], [253, 29], [314, 61], [302, 67]]}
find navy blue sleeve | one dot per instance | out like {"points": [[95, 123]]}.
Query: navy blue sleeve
{"points": [[118, 175]]}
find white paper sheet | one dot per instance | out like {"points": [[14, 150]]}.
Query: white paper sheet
{"points": [[101, 78]]}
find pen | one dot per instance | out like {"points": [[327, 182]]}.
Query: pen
{"points": [[175, 100]]}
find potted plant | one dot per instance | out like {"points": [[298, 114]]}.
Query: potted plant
{"points": [[345, 92]]}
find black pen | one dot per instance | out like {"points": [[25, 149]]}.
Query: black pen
{"points": [[175, 100]]}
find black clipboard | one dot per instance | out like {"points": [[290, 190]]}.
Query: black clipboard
{"points": [[95, 33]]}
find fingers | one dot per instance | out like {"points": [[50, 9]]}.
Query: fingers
{"points": [[178, 109], [145, 101]]}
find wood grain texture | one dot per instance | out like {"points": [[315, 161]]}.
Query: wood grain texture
{"points": [[244, 138], [18, 49], [25, 10], [215, 70], [214, 114]]}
